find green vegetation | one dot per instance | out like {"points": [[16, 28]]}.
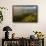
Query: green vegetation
{"points": [[27, 17]]}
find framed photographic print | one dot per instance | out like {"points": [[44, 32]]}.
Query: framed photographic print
{"points": [[25, 13]]}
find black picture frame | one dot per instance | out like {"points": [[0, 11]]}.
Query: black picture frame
{"points": [[25, 13]]}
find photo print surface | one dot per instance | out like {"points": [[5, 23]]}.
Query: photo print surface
{"points": [[25, 13]]}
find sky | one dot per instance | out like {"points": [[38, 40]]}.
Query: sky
{"points": [[20, 10]]}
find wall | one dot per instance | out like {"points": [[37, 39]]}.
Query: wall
{"points": [[23, 29]]}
